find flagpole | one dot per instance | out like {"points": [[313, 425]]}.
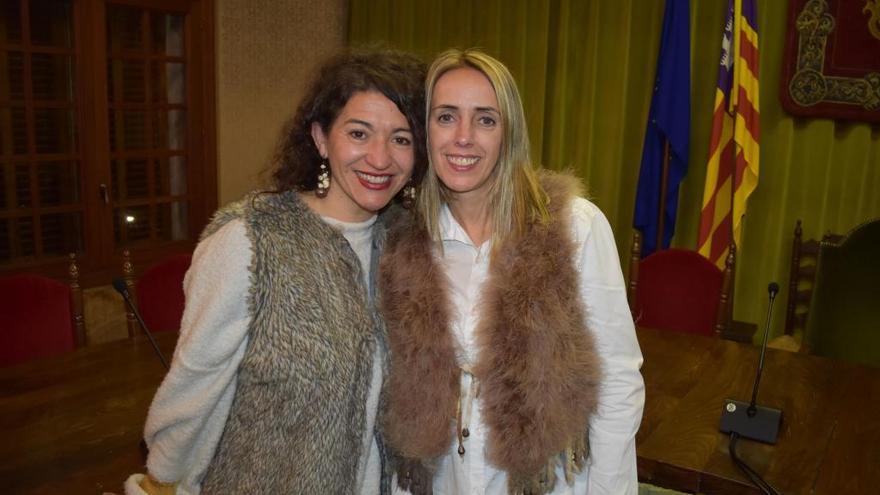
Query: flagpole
{"points": [[664, 177], [730, 259], [733, 187], [734, 107]]}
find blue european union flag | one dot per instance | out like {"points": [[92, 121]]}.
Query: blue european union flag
{"points": [[669, 120]]}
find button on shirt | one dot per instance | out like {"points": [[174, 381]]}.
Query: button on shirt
{"points": [[612, 465]]}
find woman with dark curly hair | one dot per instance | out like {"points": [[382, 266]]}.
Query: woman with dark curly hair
{"points": [[275, 381]]}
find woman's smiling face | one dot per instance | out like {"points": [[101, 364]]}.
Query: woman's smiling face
{"points": [[371, 154], [465, 132]]}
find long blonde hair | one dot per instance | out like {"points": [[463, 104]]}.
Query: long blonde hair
{"points": [[516, 195]]}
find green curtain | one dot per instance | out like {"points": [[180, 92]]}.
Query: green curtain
{"points": [[585, 70]]}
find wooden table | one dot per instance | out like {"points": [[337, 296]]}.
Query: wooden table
{"points": [[829, 442], [73, 424]]}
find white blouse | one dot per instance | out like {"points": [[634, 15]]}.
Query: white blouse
{"points": [[612, 466]]}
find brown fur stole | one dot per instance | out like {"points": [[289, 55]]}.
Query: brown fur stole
{"points": [[537, 366]]}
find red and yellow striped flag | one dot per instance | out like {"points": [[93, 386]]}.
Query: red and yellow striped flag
{"points": [[735, 135]]}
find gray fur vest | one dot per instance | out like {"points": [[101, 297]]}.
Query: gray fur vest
{"points": [[298, 414], [537, 366]]}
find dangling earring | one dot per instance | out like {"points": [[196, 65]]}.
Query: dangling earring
{"points": [[409, 195], [323, 180]]}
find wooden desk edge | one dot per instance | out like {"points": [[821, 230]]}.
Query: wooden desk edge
{"points": [[672, 477]]}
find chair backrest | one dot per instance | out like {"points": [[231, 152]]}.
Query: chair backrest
{"points": [[39, 316], [844, 318], [159, 294], [801, 280], [678, 289]]}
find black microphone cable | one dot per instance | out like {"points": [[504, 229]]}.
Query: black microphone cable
{"points": [[750, 473]]}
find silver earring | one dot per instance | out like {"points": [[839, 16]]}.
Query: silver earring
{"points": [[323, 180], [409, 195]]}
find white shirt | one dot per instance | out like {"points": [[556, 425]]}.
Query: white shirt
{"points": [[612, 466], [189, 412]]}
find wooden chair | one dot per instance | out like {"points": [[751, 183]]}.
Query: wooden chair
{"points": [[40, 316], [158, 293], [844, 320], [804, 254], [677, 289]]}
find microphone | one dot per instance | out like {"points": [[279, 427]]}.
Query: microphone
{"points": [[122, 289], [747, 419]]}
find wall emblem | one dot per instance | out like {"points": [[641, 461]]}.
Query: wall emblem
{"points": [[832, 59]]}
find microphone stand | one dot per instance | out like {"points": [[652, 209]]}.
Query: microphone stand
{"points": [[122, 289], [773, 289], [749, 420]]}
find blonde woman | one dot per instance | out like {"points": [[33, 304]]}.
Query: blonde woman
{"points": [[514, 360]]}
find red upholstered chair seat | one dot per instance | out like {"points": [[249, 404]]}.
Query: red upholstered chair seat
{"points": [[35, 318], [159, 293], [678, 290]]}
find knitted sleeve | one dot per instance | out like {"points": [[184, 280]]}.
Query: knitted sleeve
{"points": [[189, 410]]}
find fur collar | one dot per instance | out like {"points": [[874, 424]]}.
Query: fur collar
{"points": [[536, 361]]}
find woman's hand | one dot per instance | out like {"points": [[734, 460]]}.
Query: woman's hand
{"points": [[154, 487]]}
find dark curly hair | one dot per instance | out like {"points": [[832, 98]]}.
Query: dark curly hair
{"points": [[397, 75]]}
